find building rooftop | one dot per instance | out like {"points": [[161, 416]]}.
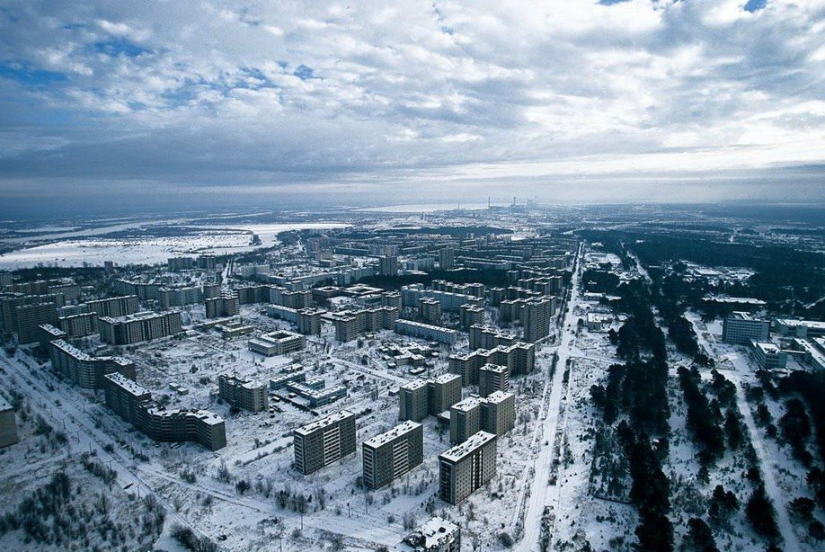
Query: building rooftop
{"points": [[4, 405], [498, 397], [766, 348], [446, 378], [324, 422], [126, 384], [394, 433], [469, 446], [796, 323], [467, 404], [494, 368], [415, 384], [70, 350], [145, 315]]}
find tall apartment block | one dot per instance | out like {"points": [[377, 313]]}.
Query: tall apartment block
{"points": [[388, 266], [498, 413], [8, 424], [466, 467], [443, 392], [465, 419], [520, 358], [222, 306], [491, 378], [115, 306], [49, 333], [309, 321], [446, 258], [180, 263], [489, 337], [11, 303], [413, 401], [324, 442], [470, 315], [390, 455], [740, 328], [536, 318], [136, 328], [349, 324], [429, 310], [249, 395], [30, 317], [79, 325], [133, 403], [86, 371]]}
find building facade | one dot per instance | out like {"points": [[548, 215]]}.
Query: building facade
{"points": [[390, 455], [467, 467], [324, 441]]}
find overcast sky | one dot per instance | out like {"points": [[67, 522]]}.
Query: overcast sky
{"points": [[173, 103]]}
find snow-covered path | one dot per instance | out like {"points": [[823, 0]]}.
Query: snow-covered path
{"points": [[540, 495], [791, 543]]}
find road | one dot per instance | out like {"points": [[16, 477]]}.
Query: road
{"points": [[540, 494]]}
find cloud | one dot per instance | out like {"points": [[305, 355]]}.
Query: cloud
{"points": [[302, 97]]}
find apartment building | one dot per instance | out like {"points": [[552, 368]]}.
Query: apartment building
{"points": [[324, 441], [246, 394], [466, 467], [390, 455]]}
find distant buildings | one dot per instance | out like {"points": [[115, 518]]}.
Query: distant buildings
{"points": [[519, 358], [426, 331], [249, 395], [324, 441], [349, 324], [494, 414], [133, 403], [8, 424], [277, 343], [740, 328], [769, 356], [787, 327], [466, 467], [491, 378], [390, 455], [224, 305], [115, 306]]}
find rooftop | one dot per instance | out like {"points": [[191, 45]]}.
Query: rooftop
{"points": [[469, 446], [324, 422], [394, 433], [127, 384], [498, 397]]}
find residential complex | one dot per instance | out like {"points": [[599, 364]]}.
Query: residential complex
{"points": [[466, 467], [324, 442], [241, 393], [390, 455]]}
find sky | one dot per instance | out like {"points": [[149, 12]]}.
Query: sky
{"points": [[172, 104]]}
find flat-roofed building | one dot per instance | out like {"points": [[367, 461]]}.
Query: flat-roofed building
{"points": [[8, 424], [391, 454], [114, 306], [498, 413], [787, 327], [79, 325], [246, 394], [491, 378], [769, 356], [324, 441], [436, 535], [177, 425], [426, 331], [465, 419], [536, 318], [277, 343], [49, 333], [413, 400], [83, 370], [466, 467], [740, 328], [124, 396], [224, 305], [309, 321], [443, 392], [139, 327], [29, 319]]}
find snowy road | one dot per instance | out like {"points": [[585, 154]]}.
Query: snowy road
{"points": [[791, 543], [540, 492]]}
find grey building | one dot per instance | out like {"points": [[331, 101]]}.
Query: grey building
{"points": [[390, 455], [740, 328], [466, 467], [324, 441]]}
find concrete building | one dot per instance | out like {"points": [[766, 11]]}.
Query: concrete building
{"points": [[498, 413], [277, 343], [520, 358], [769, 356], [178, 425], [443, 392], [124, 396], [470, 315], [388, 265], [324, 441], [489, 337], [29, 319], [466, 467], [309, 321], [465, 419], [740, 328], [115, 306], [179, 296], [787, 327], [139, 327], [249, 395], [224, 305], [413, 399], [446, 258], [349, 324], [536, 318], [86, 371], [429, 310], [8, 424], [49, 333], [79, 325], [492, 378], [390, 455], [426, 331], [180, 263]]}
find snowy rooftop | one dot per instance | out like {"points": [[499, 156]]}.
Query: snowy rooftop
{"points": [[415, 384], [324, 422], [467, 404], [395, 432], [469, 446], [4, 405], [495, 368], [146, 315], [498, 397], [70, 350], [797, 323], [127, 384], [446, 378]]}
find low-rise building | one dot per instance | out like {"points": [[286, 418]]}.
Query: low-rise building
{"points": [[436, 535], [277, 343], [769, 356]]}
